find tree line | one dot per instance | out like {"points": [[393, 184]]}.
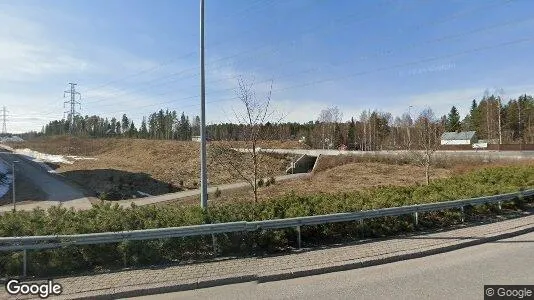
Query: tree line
{"points": [[159, 125], [490, 117]]}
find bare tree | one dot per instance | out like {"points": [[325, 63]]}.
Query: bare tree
{"points": [[428, 131], [328, 118], [255, 115]]}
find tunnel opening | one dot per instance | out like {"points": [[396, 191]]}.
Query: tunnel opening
{"points": [[304, 164]]}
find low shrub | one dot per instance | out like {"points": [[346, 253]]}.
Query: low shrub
{"points": [[105, 217]]}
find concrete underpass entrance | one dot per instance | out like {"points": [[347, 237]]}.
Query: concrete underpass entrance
{"points": [[303, 164]]}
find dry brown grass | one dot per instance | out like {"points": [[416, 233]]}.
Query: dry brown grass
{"points": [[170, 162], [65, 145], [344, 178]]}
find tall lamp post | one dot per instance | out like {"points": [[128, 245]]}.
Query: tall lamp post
{"points": [[203, 152], [13, 172]]}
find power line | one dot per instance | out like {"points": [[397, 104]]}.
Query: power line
{"points": [[378, 53], [338, 20], [347, 19], [184, 56], [366, 72], [475, 50], [229, 89]]}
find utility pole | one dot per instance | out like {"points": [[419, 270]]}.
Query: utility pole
{"points": [[4, 127], [203, 154], [72, 102]]}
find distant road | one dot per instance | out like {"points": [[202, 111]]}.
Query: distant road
{"points": [[459, 274], [486, 154], [53, 187]]}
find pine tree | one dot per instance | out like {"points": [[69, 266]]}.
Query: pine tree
{"points": [[125, 123], [113, 124], [351, 138], [453, 120], [143, 131], [132, 131], [338, 136]]}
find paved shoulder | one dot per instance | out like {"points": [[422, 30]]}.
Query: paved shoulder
{"points": [[54, 188]]}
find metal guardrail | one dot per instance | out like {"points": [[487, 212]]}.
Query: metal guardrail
{"points": [[57, 241]]}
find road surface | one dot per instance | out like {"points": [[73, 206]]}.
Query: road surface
{"points": [[52, 186], [491, 155], [459, 274]]}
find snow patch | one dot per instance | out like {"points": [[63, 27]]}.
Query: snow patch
{"points": [[80, 157], [50, 158], [15, 139], [144, 194]]}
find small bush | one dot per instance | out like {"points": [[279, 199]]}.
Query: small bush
{"points": [[103, 196], [217, 193], [272, 180], [260, 182]]}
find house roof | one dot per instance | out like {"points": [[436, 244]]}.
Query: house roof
{"points": [[464, 135]]}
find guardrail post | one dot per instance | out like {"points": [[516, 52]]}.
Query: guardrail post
{"points": [[362, 230], [520, 199], [214, 243], [299, 239], [24, 263], [463, 215], [416, 218]]}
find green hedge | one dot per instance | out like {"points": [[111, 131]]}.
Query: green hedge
{"points": [[106, 217]]}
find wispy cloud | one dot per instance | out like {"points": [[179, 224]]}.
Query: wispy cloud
{"points": [[28, 53]]}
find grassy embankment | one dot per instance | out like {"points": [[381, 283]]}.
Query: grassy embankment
{"points": [[124, 166]]}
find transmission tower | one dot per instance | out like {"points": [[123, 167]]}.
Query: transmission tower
{"points": [[4, 127], [72, 102]]}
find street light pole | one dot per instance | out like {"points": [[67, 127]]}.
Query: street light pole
{"points": [[203, 154], [13, 172]]}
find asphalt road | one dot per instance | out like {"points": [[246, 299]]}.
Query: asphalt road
{"points": [[460, 274], [54, 189]]}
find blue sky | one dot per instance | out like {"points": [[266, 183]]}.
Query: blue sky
{"points": [[137, 56]]}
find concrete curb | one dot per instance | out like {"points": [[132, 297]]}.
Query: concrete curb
{"points": [[289, 274], [387, 260]]}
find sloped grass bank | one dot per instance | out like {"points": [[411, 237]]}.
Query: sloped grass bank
{"points": [[103, 218]]}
